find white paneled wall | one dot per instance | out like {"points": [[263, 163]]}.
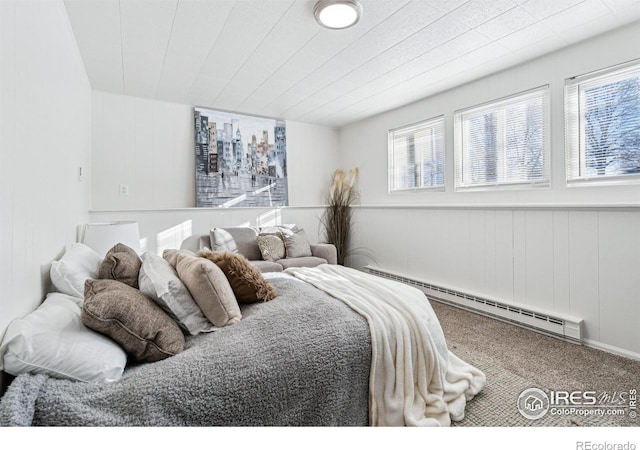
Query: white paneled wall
{"points": [[148, 146], [45, 137], [163, 229], [580, 262], [566, 250]]}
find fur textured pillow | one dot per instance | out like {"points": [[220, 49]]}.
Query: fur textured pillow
{"points": [[248, 284], [131, 319], [121, 263]]}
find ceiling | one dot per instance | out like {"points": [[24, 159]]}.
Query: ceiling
{"points": [[271, 58]]}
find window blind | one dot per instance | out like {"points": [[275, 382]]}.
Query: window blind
{"points": [[416, 156], [504, 143], [602, 126]]}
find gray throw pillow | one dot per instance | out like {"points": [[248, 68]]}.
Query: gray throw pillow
{"points": [[121, 263], [210, 289], [160, 282], [222, 241], [131, 319], [296, 243]]}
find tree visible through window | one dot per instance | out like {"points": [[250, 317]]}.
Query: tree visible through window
{"points": [[612, 128], [603, 125], [416, 156], [504, 142]]}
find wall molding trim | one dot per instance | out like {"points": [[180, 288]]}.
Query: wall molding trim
{"points": [[510, 206], [463, 206], [210, 210], [611, 349]]}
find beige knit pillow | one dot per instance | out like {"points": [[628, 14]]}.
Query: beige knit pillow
{"points": [[271, 247], [209, 288], [131, 319]]}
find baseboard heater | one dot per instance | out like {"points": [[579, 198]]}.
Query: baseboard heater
{"points": [[563, 326]]}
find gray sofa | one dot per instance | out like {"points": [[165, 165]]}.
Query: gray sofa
{"points": [[245, 239]]}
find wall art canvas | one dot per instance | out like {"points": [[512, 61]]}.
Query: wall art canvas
{"points": [[241, 160]]}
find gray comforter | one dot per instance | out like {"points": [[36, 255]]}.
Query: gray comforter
{"points": [[300, 359]]}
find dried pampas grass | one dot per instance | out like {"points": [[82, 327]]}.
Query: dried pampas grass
{"points": [[337, 216]]}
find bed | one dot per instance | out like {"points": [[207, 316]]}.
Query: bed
{"points": [[335, 347]]}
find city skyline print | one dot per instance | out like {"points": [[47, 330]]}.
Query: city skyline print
{"points": [[241, 160]]}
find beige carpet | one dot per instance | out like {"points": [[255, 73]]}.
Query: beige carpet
{"points": [[514, 358]]}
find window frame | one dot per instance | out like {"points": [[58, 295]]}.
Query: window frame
{"points": [[462, 158], [423, 124], [574, 124]]}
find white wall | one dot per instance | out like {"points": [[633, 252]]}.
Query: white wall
{"points": [[562, 249], [148, 145], [364, 143], [45, 136], [162, 229]]}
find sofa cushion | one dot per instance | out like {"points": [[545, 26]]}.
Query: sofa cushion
{"points": [[271, 247], [248, 284], [296, 243], [210, 289], [266, 266], [303, 261], [121, 263], [131, 319]]}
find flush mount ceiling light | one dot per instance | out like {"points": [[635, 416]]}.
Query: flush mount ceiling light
{"points": [[337, 14]]}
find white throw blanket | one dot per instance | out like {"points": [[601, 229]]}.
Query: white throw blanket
{"points": [[415, 380]]}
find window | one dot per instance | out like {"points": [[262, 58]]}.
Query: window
{"points": [[602, 126], [416, 156], [504, 143]]}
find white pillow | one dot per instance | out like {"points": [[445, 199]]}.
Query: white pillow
{"points": [[54, 341], [78, 264], [159, 281]]}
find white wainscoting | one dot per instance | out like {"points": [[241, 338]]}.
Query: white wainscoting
{"points": [[45, 139], [584, 262]]}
